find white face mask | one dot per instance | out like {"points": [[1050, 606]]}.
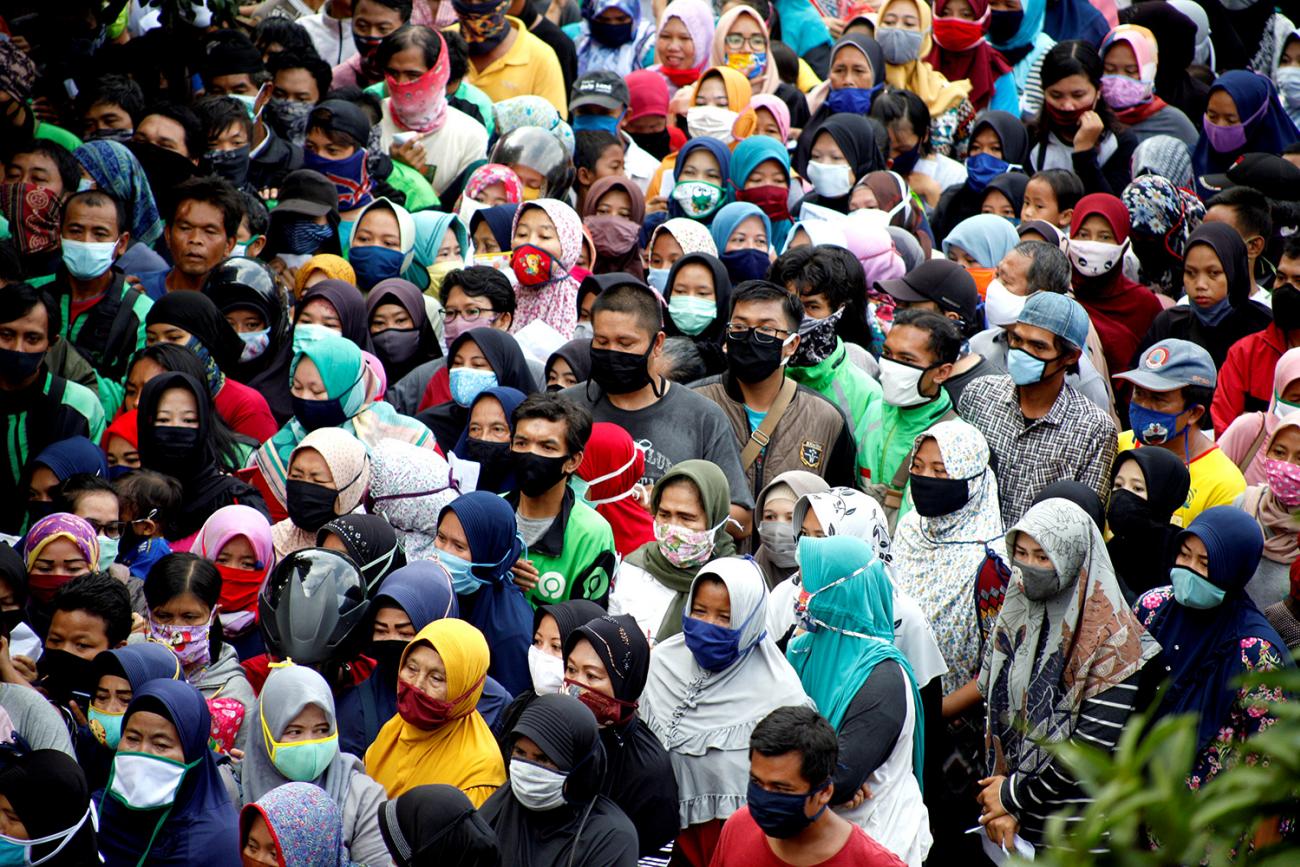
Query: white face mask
{"points": [[582, 331], [535, 787], [145, 782], [546, 671], [1001, 307], [830, 179], [710, 121], [1095, 258], [901, 383]]}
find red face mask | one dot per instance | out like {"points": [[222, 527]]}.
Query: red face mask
{"points": [[771, 200], [239, 587], [532, 265], [1064, 119], [43, 587], [957, 34], [609, 711], [423, 711]]}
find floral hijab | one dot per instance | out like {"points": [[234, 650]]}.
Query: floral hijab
{"points": [[479, 180], [61, 525], [556, 302], [305, 822], [410, 486], [349, 464], [691, 235], [521, 111], [1157, 207]]}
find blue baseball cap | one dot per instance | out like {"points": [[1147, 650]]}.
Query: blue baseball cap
{"points": [[1058, 314], [1172, 364]]}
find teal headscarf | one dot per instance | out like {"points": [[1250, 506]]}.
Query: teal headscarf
{"points": [[431, 228], [730, 216], [749, 155], [986, 238], [852, 605], [339, 362]]}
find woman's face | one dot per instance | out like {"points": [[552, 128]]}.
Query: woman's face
{"points": [[961, 257], [712, 603], [424, 670], [535, 228], [10, 824], [986, 141], [1290, 54], [768, 173], [997, 203], [585, 666], [701, 165], [484, 240], [1193, 555], [665, 251], [778, 509], [1095, 227], [60, 557], [1204, 279], [151, 733], [1072, 93], [449, 250], [615, 203], [392, 624], [492, 194], [451, 537], [1222, 110], [112, 694], [389, 316], [141, 372], [378, 228], [1286, 446], [309, 725], [259, 845], [44, 485], [307, 383], [928, 460], [546, 637], [1120, 60], [902, 14], [826, 150], [746, 36], [1129, 477], [468, 354], [765, 124], [851, 68], [245, 320], [238, 553], [694, 281], [561, 374], [712, 91], [956, 9], [487, 421], [183, 609], [320, 312], [163, 332], [680, 504], [1027, 550], [674, 46], [902, 138], [749, 234], [308, 465], [178, 407]]}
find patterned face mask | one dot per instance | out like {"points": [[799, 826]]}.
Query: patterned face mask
{"points": [[684, 547]]}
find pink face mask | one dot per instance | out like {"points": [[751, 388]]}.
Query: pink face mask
{"points": [[458, 326], [1284, 482], [189, 643], [684, 547]]}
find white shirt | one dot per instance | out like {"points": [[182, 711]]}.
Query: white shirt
{"points": [[461, 141], [331, 36], [637, 162], [947, 172], [640, 594]]}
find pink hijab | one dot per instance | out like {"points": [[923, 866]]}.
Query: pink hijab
{"points": [[748, 121], [867, 240], [555, 303], [767, 80], [1239, 436]]}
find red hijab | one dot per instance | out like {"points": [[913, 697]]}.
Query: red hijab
{"points": [[1120, 309], [613, 465], [963, 55]]}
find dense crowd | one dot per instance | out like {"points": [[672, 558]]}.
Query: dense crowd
{"points": [[597, 432]]}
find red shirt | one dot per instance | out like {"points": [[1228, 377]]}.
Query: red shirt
{"points": [[245, 411], [743, 844]]}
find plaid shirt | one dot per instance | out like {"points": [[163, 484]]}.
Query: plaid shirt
{"points": [[1075, 440]]}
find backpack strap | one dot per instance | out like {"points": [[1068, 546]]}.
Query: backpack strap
{"points": [[762, 435]]}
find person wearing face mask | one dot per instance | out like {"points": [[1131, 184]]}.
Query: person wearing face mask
{"points": [[699, 182], [806, 430], [698, 290], [165, 802], [741, 41], [49, 818], [382, 243], [708, 687], [760, 175], [335, 147], [501, 47], [1243, 113], [116, 172], [297, 740], [409, 485], [962, 52], [237, 539], [1017, 34], [298, 823], [89, 613], [48, 471], [1162, 216], [369, 540], [1244, 439], [400, 327], [486, 437], [304, 222], [743, 233], [605, 666], [612, 214], [480, 359], [329, 474], [1130, 56], [547, 236], [1059, 561], [611, 471], [857, 76], [1272, 505], [835, 154], [612, 37], [1148, 486], [999, 143], [775, 504], [442, 245], [437, 736]]}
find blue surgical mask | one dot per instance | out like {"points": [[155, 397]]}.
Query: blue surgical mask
{"points": [[982, 168], [86, 260], [852, 100], [596, 123], [463, 580], [714, 647], [374, 263], [1213, 315], [658, 279], [1025, 369], [467, 383], [1195, 591]]}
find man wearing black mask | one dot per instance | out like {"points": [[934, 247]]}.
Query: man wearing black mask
{"points": [[672, 424], [569, 547], [41, 408], [807, 431]]}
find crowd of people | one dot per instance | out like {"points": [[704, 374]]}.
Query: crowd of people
{"points": [[598, 432]]}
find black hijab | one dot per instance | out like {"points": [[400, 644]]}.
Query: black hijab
{"points": [[709, 341], [1012, 185], [436, 826], [350, 305], [14, 573], [1011, 133], [268, 373], [640, 778], [871, 49], [48, 792], [403, 293], [194, 312], [588, 830], [961, 201], [371, 542], [578, 355], [863, 141], [1177, 48], [1078, 493], [502, 352], [1141, 547]]}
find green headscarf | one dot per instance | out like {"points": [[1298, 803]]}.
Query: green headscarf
{"points": [[715, 495], [431, 228]]}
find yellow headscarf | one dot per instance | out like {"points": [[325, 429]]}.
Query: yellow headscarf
{"points": [[462, 751], [920, 77], [739, 90], [333, 267]]}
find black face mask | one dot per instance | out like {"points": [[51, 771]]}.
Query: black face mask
{"points": [[176, 451], [387, 655], [620, 372], [16, 367], [310, 505], [1128, 514], [657, 144], [37, 509], [66, 677], [396, 345], [493, 461], [752, 357], [935, 497], [9, 620], [1286, 307], [230, 164], [314, 414], [537, 474]]}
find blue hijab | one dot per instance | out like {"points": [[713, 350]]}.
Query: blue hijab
{"points": [[1075, 19], [720, 153], [73, 455], [986, 238], [498, 608], [498, 480], [731, 216], [749, 155], [1204, 670], [114, 168], [1268, 127], [500, 219], [1030, 26], [139, 664], [201, 826]]}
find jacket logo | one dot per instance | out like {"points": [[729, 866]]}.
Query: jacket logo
{"points": [[810, 454]]}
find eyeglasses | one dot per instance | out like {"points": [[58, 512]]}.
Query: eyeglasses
{"points": [[469, 314], [736, 42], [762, 334], [112, 529]]}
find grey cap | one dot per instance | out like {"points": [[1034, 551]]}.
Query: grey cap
{"points": [[600, 87], [1172, 364], [1058, 314]]}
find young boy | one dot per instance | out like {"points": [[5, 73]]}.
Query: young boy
{"points": [[1051, 196], [145, 499], [92, 613], [598, 154]]}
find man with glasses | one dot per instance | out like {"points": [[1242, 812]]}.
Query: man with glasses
{"points": [[808, 431]]}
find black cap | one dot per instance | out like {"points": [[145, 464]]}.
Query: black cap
{"points": [[601, 88], [339, 115], [1272, 175], [939, 280], [229, 52], [307, 192]]}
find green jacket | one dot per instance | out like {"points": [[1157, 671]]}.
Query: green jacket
{"points": [[847, 386], [891, 431], [575, 557]]}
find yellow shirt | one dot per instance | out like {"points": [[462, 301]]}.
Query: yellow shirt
{"points": [[1216, 481], [528, 68]]}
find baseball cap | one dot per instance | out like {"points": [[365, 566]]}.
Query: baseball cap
{"points": [[1270, 174], [307, 192], [647, 95], [339, 115], [1058, 314], [945, 283], [1172, 364], [601, 88]]}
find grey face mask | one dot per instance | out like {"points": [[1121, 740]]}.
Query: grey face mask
{"points": [[778, 541], [1041, 582]]}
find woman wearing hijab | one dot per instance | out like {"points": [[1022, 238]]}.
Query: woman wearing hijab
{"points": [[1273, 505], [329, 475], [296, 739], [1216, 277], [1211, 634], [1018, 36], [382, 243], [115, 170], [857, 75], [491, 229], [176, 440], [743, 235], [424, 824], [165, 803], [400, 328], [1178, 47], [654, 580], [299, 824], [477, 360], [999, 143], [441, 244], [616, 46], [698, 291], [670, 241], [1130, 56], [962, 53], [760, 175], [1005, 196], [606, 662], [865, 688], [1244, 439], [774, 122], [56, 549], [545, 239], [834, 155], [238, 541], [322, 266], [487, 435], [57, 463], [891, 194], [1162, 217], [1164, 156], [1042, 684], [408, 486], [488, 185], [683, 40], [611, 469], [568, 365], [1074, 19], [980, 241], [191, 320], [1147, 487], [708, 687], [774, 508], [1119, 309], [339, 307], [1243, 114], [251, 300], [44, 792], [437, 736], [612, 213], [699, 172], [369, 540], [741, 41]]}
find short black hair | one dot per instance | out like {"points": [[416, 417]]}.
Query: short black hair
{"points": [[639, 301], [787, 62], [212, 191], [66, 164], [590, 145], [457, 55], [259, 218], [19, 299], [182, 572], [401, 7], [102, 596], [798, 729], [318, 69], [97, 197], [195, 141], [409, 36], [116, 90], [1202, 396], [821, 270], [1290, 247], [551, 406], [896, 104], [220, 113], [1251, 207], [945, 336], [289, 35], [1065, 185], [79, 485], [480, 281], [145, 491], [765, 290]]}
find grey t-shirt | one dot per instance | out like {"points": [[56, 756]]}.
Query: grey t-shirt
{"points": [[679, 426], [533, 529]]}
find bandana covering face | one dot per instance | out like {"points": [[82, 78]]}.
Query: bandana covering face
{"points": [[421, 105], [34, 216], [483, 25]]}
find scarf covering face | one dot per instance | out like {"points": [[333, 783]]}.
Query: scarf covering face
{"points": [[872, 247], [1268, 127], [427, 822], [348, 463], [697, 17], [421, 105], [980, 64], [1165, 157], [936, 559], [715, 495], [704, 718], [1090, 641], [461, 752], [231, 522], [919, 76], [1031, 25], [747, 121], [1281, 525], [333, 267], [623, 58], [305, 822], [400, 470], [767, 80], [986, 238], [555, 303], [523, 111], [1156, 207], [371, 542], [1142, 554], [34, 216], [611, 450], [196, 313], [691, 235], [115, 169], [49, 795], [1206, 665], [201, 826]]}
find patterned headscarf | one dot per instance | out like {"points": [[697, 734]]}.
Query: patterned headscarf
{"points": [[1156, 207], [34, 216], [409, 486], [306, 823], [348, 463], [621, 59], [61, 525], [555, 303], [1165, 156], [691, 235], [17, 71], [521, 111], [479, 180], [115, 169]]}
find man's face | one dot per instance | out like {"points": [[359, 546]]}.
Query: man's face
{"points": [[1288, 271], [319, 143], [229, 139], [783, 774], [1013, 271], [197, 238], [238, 84], [35, 168], [1227, 215], [907, 344], [297, 85], [77, 632], [165, 133], [105, 116], [406, 65], [620, 332], [769, 316], [374, 19], [543, 437], [28, 333], [93, 223], [646, 124], [1038, 342]]}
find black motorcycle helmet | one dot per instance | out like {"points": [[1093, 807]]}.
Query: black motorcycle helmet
{"points": [[310, 605], [241, 282]]}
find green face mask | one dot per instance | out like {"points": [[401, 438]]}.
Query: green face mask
{"points": [[106, 727], [301, 761], [1195, 591], [691, 314]]}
